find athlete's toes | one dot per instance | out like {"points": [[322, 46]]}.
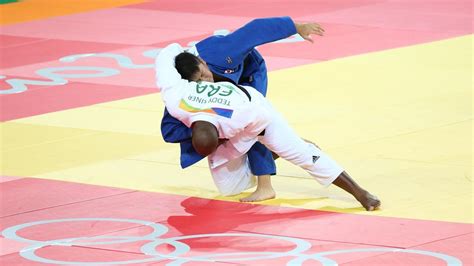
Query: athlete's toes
{"points": [[373, 204]]}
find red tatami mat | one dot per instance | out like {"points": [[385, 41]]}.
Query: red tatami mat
{"points": [[101, 33], [251, 8], [157, 19], [33, 52], [5, 178], [10, 41], [21, 195], [111, 225], [45, 99]]}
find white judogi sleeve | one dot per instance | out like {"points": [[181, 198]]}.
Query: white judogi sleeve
{"points": [[173, 87]]}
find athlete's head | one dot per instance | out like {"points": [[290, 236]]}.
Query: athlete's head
{"points": [[192, 68], [205, 137]]}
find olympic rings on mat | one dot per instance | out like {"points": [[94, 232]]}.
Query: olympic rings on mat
{"points": [[177, 257]]}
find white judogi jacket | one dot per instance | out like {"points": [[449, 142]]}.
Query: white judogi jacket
{"points": [[223, 104]]}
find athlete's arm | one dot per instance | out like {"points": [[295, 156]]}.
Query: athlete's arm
{"points": [[173, 130], [167, 76], [240, 42]]}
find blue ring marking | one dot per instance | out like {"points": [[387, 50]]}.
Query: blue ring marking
{"points": [[50, 72], [29, 252], [55, 79], [301, 246], [153, 53], [31, 255], [450, 260], [11, 232], [18, 85], [181, 248], [303, 257], [123, 61]]}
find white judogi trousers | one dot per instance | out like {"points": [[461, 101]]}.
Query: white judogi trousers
{"points": [[234, 176]]}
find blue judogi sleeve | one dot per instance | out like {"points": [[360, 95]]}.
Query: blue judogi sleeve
{"points": [[225, 55], [233, 56], [173, 130]]}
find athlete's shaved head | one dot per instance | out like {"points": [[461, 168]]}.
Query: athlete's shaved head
{"points": [[205, 137]]}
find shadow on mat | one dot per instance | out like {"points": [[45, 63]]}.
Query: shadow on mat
{"points": [[209, 216]]}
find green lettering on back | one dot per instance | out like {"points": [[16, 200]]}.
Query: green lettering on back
{"points": [[200, 88], [213, 90]]}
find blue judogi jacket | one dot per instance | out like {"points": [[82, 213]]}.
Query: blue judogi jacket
{"points": [[234, 57]]}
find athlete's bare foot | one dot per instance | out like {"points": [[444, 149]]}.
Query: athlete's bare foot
{"points": [[369, 201], [259, 195]]}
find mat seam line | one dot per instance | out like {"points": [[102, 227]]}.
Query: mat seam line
{"points": [[66, 204]]}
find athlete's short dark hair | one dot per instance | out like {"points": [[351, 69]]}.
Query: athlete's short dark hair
{"points": [[187, 65]]}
